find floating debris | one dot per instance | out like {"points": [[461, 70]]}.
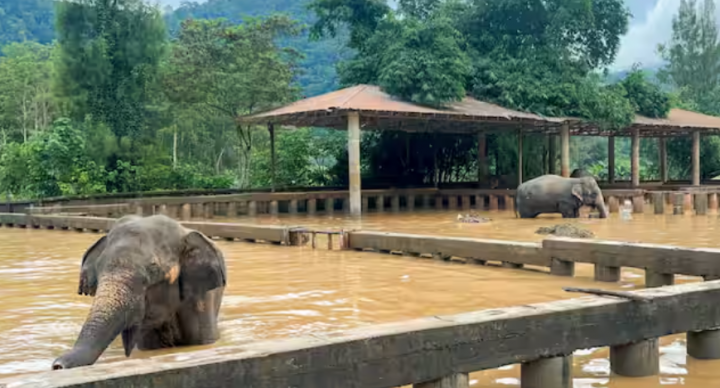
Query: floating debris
{"points": [[472, 218], [566, 230]]}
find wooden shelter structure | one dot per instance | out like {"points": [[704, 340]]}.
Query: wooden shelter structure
{"points": [[368, 107]]}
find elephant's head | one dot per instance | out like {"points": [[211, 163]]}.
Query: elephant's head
{"points": [[137, 254], [587, 191]]}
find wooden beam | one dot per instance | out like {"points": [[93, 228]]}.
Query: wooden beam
{"points": [[414, 351], [565, 151], [354, 163]]}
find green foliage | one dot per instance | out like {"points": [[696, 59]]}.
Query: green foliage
{"points": [[647, 98], [109, 55], [26, 20]]}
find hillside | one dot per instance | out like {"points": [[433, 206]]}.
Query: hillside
{"points": [[22, 20]]}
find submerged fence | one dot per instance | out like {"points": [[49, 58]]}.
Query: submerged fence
{"points": [[435, 352]]}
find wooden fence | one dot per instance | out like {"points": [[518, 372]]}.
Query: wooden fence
{"points": [[439, 351], [328, 202]]}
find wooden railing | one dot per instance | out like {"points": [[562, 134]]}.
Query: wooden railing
{"points": [[439, 351]]}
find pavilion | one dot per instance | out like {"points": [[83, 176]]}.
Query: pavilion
{"points": [[368, 107]]}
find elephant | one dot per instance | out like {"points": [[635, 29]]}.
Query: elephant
{"points": [[580, 173], [556, 194], [154, 282]]}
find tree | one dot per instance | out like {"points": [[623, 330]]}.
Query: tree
{"points": [[25, 98], [109, 55], [233, 71]]}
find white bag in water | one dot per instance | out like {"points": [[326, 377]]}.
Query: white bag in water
{"points": [[626, 211]]}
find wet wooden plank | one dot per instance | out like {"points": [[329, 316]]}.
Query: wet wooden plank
{"points": [[402, 353], [470, 248], [658, 258]]}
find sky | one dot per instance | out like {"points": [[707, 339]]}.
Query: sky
{"points": [[651, 24]]}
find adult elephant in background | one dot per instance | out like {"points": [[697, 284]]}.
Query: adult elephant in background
{"points": [[155, 283], [556, 194]]}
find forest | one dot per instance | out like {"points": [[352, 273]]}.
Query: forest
{"points": [[110, 97]]}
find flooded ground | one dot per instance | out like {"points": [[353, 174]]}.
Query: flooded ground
{"points": [[278, 292], [683, 230]]}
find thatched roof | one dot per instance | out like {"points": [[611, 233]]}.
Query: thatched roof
{"points": [[379, 110]]}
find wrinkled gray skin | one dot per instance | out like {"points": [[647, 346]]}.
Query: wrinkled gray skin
{"points": [[555, 194], [580, 173], [155, 283]]}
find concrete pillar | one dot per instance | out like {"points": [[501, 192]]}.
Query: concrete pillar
{"points": [[559, 267], [252, 208], [426, 201], [293, 206], [274, 208], [439, 202], [493, 202], [354, 163], [565, 150], [635, 157], [410, 202], [232, 209], [611, 159], [713, 202], [329, 205], [311, 206], [185, 216], [209, 210], [345, 205], [551, 153], [554, 372], [688, 202], [607, 274], [380, 203], [482, 158], [395, 203], [659, 203], [509, 203], [163, 210], [701, 203], [365, 204], [465, 202], [452, 202], [271, 129], [640, 359], [655, 279], [638, 204], [458, 380], [520, 157], [696, 158], [479, 202], [704, 345], [662, 148], [679, 198], [613, 204], [139, 210]]}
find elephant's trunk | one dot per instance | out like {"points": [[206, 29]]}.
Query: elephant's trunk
{"points": [[118, 306], [602, 208]]}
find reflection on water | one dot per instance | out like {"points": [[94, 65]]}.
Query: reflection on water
{"points": [[276, 292]]}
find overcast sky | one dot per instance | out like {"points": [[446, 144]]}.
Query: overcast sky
{"points": [[651, 24]]}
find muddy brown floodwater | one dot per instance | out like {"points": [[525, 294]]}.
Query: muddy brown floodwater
{"points": [[278, 292]]}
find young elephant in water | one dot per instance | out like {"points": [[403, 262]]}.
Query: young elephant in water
{"points": [[154, 282]]}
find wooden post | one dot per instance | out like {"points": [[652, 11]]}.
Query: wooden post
{"points": [[713, 202], [479, 202], [438, 202], [688, 203], [354, 163], [659, 203], [565, 150], [482, 158], [638, 203], [493, 202], [639, 359], [509, 203], [365, 204], [613, 204], [662, 148], [293, 207], [452, 201], [696, 158], [678, 203], [186, 215], [274, 208], [553, 372], [329, 205], [380, 203], [271, 129], [635, 157], [465, 202], [551, 154], [410, 202], [209, 210], [701, 203], [395, 203], [232, 209], [311, 206], [520, 156], [252, 208], [611, 159]]}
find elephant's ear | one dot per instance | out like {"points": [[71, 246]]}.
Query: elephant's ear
{"points": [[202, 266], [88, 274], [577, 191]]}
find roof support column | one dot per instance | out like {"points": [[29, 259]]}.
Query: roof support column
{"points": [[551, 154], [482, 158], [696, 158], [271, 129], [611, 159], [565, 150], [662, 152], [635, 157], [354, 163], [520, 157]]}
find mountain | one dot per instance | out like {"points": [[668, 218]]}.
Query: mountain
{"points": [[22, 20]]}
